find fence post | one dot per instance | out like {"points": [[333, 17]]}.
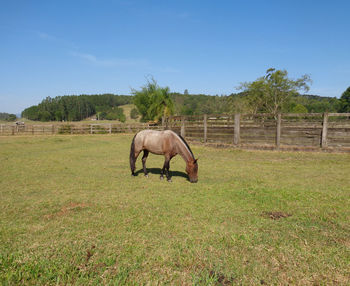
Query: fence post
{"points": [[183, 132], [90, 128], [53, 129], [237, 129], [110, 128], [324, 143], [278, 131], [1, 128], [166, 120], [170, 121], [13, 130], [205, 128]]}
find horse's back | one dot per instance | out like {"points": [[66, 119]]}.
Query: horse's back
{"points": [[154, 141]]}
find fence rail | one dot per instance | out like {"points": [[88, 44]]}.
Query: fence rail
{"points": [[73, 128], [298, 131]]}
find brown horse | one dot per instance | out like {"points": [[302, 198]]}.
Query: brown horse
{"points": [[166, 143]]}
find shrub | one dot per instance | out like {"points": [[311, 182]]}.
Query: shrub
{"points": [[134, 114], [299, 108]]}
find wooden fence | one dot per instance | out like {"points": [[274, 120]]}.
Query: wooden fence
{"points": [[308, 131], [74, 128], [329, 131]]}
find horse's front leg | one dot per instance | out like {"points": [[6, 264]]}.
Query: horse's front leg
{"points": [[165, 169], [162, 172]]}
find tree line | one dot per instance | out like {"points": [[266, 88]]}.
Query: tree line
{"points": [[272, 93], [7, 116], [78, 107]]}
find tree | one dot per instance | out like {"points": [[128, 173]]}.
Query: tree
{"points": [[345, 101], [238, 103], [299, 108], [153, 101], [75, 107], [7, 116], [12, 117], [134, 114], [272, 92], [31, 113]]}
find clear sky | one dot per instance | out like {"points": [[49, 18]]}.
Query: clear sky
{"points": [[64, 47]]}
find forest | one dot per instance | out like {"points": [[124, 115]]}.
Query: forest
{"points": [[7, 116], [272, 93], [78, 107], [106, 106]]}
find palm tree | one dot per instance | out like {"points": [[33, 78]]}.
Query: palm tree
{"points": [[162, 103], [153, 101]]}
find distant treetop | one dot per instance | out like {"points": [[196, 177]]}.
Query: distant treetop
{"points": [[77, 107]]}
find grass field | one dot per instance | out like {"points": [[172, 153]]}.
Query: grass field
{"points": [[72, 214]]}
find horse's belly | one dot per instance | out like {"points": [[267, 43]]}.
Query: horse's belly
{"points": [[156, 152], [153, 148]]}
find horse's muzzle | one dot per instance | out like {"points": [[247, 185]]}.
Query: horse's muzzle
{"points": [[194, 181]]}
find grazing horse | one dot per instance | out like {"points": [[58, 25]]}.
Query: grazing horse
{"points": [[166, 143]]}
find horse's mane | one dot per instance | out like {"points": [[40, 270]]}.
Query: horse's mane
{"points": [[188, 147]]}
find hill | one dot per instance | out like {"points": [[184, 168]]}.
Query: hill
{"points": [[127, 110]]}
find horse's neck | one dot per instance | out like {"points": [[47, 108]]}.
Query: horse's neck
{"points": [[183, 151]]}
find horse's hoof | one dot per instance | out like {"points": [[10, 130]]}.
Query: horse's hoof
{"points": [[161, 178], [146, 176], [169, 180]]}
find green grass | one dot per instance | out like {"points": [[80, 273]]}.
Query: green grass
{"points": [[72, 214]]}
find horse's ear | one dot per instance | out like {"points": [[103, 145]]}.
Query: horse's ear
{"points": [[195, 160]]}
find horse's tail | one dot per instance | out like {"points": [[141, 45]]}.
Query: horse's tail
{"points": [[132, 156]]}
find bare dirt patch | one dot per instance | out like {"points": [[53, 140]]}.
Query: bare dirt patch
{"points": [[66, 210], [88, 266], [276, 215], [89, 253], [221, 278]]}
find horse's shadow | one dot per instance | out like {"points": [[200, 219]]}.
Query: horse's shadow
{"points": [[156, 171]]}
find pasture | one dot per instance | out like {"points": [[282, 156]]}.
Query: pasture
{"points": [[71, 213]]}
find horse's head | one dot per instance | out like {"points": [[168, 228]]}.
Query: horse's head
{"points": [[192, 170]]}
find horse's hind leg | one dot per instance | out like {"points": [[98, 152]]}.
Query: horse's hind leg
{"points": [[133, 158], [132, 164], [144, 158]]}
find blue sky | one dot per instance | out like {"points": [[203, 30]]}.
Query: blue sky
{"points": [[52, 48]]}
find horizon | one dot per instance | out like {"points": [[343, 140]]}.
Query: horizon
{"points": [[89, 47], [19, 115]]}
